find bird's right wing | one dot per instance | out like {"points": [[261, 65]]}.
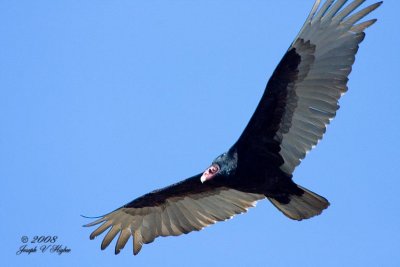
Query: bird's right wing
{"points": [[178, 209], [302, 95]]}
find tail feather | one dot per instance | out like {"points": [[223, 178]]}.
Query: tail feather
{"points": [[302, 206]]}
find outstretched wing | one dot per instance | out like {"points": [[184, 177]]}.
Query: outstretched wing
{"points": [[302, 95], [178, 209]]}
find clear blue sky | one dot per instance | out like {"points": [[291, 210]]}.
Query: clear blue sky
{"points": [[103, 101]]}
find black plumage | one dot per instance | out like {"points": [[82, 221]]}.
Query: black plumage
{"points": [[300, 99]]}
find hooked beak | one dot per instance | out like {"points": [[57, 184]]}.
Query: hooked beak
{"points": [[209, 173]]}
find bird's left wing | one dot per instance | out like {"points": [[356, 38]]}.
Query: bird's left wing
{"points": [[302, 95], [178, 209]]}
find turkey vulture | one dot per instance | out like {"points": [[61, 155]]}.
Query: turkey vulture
{"points": [[299, 101]]}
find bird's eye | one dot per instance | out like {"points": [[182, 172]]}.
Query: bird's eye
{"points": [[214, 168]]}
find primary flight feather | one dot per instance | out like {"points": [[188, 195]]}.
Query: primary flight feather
{"points": [[300, 99]]}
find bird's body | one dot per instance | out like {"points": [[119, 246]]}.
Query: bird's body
{"points": [[299, 101]]}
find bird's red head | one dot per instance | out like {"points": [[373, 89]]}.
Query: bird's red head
{"points": [[210, 173]]}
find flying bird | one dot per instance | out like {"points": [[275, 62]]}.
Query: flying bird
{"points": [[300, 99]]}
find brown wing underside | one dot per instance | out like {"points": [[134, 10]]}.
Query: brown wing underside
{"points": [[174, 210]]}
